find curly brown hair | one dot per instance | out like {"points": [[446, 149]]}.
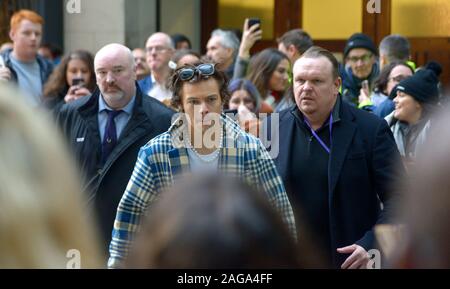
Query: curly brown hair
{"points": [[175, 84], [57, 81]]}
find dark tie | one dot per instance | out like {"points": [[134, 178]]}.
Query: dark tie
{"points": [[110, 137]]}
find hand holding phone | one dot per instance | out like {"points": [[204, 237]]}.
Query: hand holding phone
{"points": [[364, 93], [253, 21], [250, 35], [365, 87], [78, 81], [77, 90]]}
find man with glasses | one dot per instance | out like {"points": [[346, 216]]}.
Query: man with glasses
{"points": [[159, 50], [140, 59], [202, 141], [360, 70], [106, 130]]}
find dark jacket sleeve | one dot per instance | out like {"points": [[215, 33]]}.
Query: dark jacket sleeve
{"points": [[387, 170], [385, 108], [7, 60], [62, 117], [55, 102]]}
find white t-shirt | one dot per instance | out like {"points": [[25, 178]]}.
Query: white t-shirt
{"points": [[198, 165], [158, 91]]}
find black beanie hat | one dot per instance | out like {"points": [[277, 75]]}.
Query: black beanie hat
{"points": [[393, 93], [422, 86], [360, 40]]}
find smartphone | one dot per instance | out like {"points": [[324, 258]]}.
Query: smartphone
{"points": [[365, 84], [2, 62], [253, 21], [78, 81]]}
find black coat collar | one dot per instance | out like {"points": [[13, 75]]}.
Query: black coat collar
{"points": [[342, 136]]}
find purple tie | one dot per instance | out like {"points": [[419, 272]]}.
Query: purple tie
{"points": [[110, 137]]}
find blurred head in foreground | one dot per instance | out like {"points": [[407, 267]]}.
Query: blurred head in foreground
{"points": [[425, 210], [213, 222], [41, 208]]}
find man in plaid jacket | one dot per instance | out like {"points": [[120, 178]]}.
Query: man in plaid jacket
{"points": [[199, 92]]}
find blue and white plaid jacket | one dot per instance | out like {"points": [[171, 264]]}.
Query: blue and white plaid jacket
{"points": [[165, 157]]}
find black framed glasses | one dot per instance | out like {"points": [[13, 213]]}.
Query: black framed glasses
{"points": [[188, 73], [158, 49], [364, 58]]}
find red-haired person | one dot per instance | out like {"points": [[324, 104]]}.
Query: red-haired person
{"points": [[22, 64]]}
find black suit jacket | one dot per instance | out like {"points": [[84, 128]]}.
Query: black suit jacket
{"points": [[362, 168], [106, 184]]}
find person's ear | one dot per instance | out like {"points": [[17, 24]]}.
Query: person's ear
{"points": [[134, 70], [383, 60], [292, 51], [171, 51], [229, 52], [337, 84], [419, 106], [12, 34]]}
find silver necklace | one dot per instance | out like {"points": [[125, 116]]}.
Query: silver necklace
{"points": [[208, 158]]}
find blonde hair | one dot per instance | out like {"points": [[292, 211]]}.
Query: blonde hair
{"points": [[41, 205]]}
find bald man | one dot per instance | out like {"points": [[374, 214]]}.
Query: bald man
{"points": [[106, 129], [159, 50]]}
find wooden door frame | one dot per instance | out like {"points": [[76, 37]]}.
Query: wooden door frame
{"points": [[209, 13], [377, 25]]}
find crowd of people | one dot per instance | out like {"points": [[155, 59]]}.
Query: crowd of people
{"points": [[160, 157]]}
